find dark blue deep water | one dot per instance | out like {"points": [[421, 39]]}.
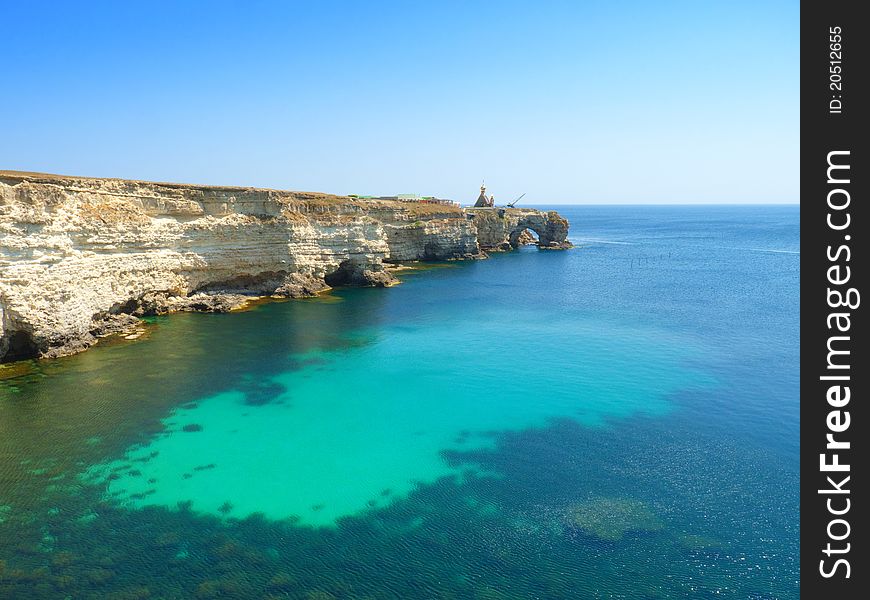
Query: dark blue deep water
{"points": [[615, 421]]}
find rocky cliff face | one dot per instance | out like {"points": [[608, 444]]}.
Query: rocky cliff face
{"points": [[507, 228], [81, 257]]}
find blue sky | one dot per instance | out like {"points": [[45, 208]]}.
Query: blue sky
{"points": [[590, 102]]}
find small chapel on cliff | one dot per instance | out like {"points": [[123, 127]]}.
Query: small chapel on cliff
{"points": [[482, 200]]}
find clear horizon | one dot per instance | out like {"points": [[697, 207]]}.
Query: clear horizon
{"points": [[592, 103]]}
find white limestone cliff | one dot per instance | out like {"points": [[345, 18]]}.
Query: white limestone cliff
{"points": [[82, 257]]}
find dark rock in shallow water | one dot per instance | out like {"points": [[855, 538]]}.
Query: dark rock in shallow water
{"points": [[357, 272], [19, 345], [298, 285], [192, 427], [114, 323], [261, 393]]}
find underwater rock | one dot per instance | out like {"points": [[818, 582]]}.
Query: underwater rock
{"points": [[281, 582], [699, 542], [99, 576], [191, 427], [261, 393], [208, 589], [611, 518], [139, 592], [15, 370], [64, 582], [221, 588], [27, 549], [63, 559], [170, 539], [87, 517], [229, 549]]}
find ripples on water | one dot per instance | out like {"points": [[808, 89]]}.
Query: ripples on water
{"points": [[615, 421]]}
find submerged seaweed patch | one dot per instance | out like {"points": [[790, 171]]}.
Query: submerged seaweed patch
{"points": [[612, 518], [259, 393], [457, 536]]}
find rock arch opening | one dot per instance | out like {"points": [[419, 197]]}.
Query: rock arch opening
{"points": [[524, 236]]}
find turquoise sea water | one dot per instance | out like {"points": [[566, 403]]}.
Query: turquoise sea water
{"points": [[615, 421]]}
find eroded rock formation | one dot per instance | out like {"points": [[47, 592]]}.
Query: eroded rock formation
{"points": [[80, 257], [507, 228]]}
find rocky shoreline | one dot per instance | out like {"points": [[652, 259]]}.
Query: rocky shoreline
{"points": [[82, 258]]}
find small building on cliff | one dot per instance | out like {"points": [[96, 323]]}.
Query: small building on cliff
{"points": [[482, 200]]}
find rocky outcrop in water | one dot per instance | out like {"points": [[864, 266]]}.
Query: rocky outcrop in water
{"points": [[508, 228], [81, 258]]}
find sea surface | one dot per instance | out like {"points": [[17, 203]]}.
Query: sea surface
{"points": [[619, 420]]}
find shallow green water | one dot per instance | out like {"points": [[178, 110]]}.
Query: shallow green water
{"points": [[358, 426]]}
